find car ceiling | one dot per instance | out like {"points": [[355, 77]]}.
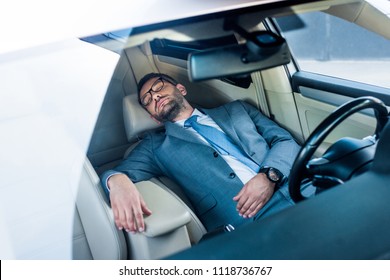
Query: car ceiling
{"points": [[363, 13], [42, 22], [74, 19]]}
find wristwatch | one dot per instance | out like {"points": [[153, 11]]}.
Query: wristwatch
{"points": [[273, 174]]}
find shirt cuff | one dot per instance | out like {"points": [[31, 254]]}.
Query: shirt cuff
{"points": [[105, 178]]}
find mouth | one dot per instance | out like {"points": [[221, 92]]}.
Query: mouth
{"points": [[161, 103]]}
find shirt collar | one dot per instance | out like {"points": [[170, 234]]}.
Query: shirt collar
{"points": [[196, 112]]}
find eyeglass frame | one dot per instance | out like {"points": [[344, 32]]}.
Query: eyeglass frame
{"points": [[162, 79]]}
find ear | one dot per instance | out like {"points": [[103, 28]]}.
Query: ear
{"points": [[156, 120], [182, 89]]}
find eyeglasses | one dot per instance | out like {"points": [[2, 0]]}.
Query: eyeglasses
{"points": [[157, 86]]}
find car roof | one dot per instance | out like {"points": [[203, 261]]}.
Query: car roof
{"points": [[26, 24]]}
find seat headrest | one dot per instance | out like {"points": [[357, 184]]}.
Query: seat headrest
{"points": [[137, 120]]}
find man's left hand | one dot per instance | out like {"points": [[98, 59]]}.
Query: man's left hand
{"points": [[254, 195]]}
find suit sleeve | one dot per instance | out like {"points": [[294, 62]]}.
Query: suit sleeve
{"points": [[283, 148], [140, 165]]}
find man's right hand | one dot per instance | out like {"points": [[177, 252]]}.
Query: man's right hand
{"points": [[127, 204]]}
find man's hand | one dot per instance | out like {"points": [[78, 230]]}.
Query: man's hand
{"points": [[254, 195], [127, 204]]}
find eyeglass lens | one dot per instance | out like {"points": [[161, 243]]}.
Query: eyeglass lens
{"points": [[156, 87]]}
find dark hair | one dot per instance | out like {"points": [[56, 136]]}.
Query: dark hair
{"points": [[149, 76]]}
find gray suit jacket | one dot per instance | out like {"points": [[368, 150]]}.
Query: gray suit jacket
{"points": [[205, 177]]}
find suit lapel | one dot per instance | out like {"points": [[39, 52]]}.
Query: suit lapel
{"points": [[181, 133], [224, 119], [221, 116]]}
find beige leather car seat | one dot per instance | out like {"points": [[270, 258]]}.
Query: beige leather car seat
{"points": [[166, 229], [104, 240]]}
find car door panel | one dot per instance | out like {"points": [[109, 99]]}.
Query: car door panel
{"points": [[281, 104], [317, 96]]}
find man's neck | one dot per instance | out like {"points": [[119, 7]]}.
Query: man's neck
{"points": [[185, 114]]}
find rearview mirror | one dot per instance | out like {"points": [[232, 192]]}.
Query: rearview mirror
{"points": [[262, 50]]}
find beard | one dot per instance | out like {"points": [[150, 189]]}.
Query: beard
{"points": [[171, 110]]}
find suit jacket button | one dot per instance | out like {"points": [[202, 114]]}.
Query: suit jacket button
{"points": [[232, 175], [215, 154]]}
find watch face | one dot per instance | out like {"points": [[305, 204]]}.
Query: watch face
{"points": [[273, 175]]}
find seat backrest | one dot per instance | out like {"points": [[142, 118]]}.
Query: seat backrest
{"points": [[109, 142]]}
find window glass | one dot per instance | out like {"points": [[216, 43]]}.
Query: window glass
{"points": [[324, 44]]}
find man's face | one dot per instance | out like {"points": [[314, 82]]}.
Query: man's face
{"points": [[163, 100]]}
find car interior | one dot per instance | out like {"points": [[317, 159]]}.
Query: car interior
{"points": [[222, 58]]}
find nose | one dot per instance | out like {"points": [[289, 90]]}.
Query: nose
{"points": [[156, 96]]}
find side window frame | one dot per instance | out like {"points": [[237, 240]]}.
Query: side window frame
{"points": [[342, 61]]}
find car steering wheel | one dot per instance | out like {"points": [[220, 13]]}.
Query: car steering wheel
{"points": [[300, 169]]}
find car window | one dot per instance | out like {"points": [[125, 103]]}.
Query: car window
{"points": [[324, 44]]}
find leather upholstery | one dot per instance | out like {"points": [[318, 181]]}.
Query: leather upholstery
{"points": [[136, 119], [104, 239]]}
